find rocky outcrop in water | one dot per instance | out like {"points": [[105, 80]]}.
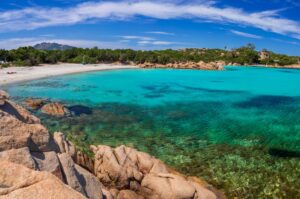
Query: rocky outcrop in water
{"points": [[33, 164], [34, 104], [55, 109], [125, 167], [219, 65], [292, 66]]}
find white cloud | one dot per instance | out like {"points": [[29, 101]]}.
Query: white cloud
{"points": [[124, 41], [145, 41], [160, 33], [162, 43], [47, 35], [158, 43], [133, 37], [244, 34], [37, 17]]}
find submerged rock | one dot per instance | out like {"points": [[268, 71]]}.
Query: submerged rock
{"points": [[79, 109], [284, 153], [34, 104], [55, 109]]}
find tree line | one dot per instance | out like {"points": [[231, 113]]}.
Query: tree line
{"points": [[245, 55]]}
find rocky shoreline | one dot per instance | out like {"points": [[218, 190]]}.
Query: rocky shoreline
{"points": [[293, 66], [35, 164], [12, 75], [219, 65]]}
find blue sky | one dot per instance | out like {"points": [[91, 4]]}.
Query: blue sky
{"points": [[156, 24]]}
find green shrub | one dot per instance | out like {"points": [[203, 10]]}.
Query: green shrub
{"points": [[245, 55], [4, 65]]}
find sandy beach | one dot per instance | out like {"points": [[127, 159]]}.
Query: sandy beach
{"points": [[19, 74]]}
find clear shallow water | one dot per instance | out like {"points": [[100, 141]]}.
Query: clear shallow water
{"points": [[239, 129]]}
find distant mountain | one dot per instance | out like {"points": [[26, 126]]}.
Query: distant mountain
{"points": [[52, 46]]}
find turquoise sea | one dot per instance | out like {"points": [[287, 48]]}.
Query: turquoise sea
{"points": [[239, 129]]}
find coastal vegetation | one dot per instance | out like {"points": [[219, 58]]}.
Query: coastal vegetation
{"points": [[245, 55]]}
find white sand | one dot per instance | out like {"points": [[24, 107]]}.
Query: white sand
{"points": [[38, 72]]}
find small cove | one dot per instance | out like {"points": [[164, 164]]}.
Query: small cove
{"points": [[239, 129]]}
